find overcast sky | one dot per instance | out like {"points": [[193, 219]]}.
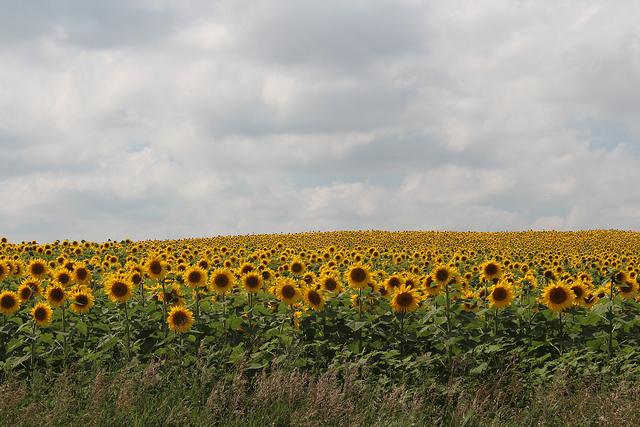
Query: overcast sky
{"points": [[177, 119]]}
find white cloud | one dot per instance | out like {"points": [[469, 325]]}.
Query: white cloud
{"points": [[170, 120]]}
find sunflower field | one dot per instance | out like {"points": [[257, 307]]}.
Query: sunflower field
{"points": [[395, 303]]}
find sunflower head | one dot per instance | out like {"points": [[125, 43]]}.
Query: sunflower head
{"points": [[38, 268], [252, 282], [118, 288], [314, 298], [491, 270], [82, 300], [9, 302], [81, 274], [25, 292], [405, 299], [180, 319], [195, 277], [442, 274], [501, 294], [156, 268], [288, 291], [42, 314], [56, 295], [297, 267], [358, 276], [558, 296], [221, 280]]}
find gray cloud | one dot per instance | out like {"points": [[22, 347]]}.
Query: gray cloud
{"points": [[170, 120]]}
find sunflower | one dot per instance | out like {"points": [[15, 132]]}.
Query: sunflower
{"points": [[9, 302], [174, 296], [470, 301], [180, 319], [81, 274], [5, 270], [628, 289], [195, 277], [25, 292], [288, 291], [62, 277], [558, 296], [156, 268], [358, 276], [56, 295], [83, 300], [221, 280], [621, 277], [430, 286], [37, 268], [314, 298], [118, 288], [442, 274], [405, 299], [330, 282], [297, 267], [580, 290], [501, 294], [34, 284], [491, 270], [42, 313], [252, 282]]}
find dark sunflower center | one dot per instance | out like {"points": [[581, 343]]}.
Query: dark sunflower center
{"points": [[81, 274], [558, 296], [195, 277], [119, 289], [136, 279], [314, 298], [625, 288], [266, 275], [7, 301], [2, 270], [64, 278], [500, 294], [442, 275], [404, 299], [358, 274], [155, 267], [57, 294], [394, 281], [246, 269], [221, 280], [180, 318], [26, 293], [330, 284], [252, 282], [296, 268], [288, 291], [578, 291], [307, 279], [40, 314], [81, 300], [491, 269], [37, 268]]}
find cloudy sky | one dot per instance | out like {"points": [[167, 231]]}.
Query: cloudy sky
{"points": [[164, 119]]}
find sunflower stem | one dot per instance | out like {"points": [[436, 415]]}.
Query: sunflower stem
{"points": [[561, 332], [64, 336], [142, 293], [33, 351], [611, 282], [126, 317]]}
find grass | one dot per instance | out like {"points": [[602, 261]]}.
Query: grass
{"points": [[347, 393]]}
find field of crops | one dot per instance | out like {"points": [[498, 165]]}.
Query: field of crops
{"points": [[388, 298]]}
